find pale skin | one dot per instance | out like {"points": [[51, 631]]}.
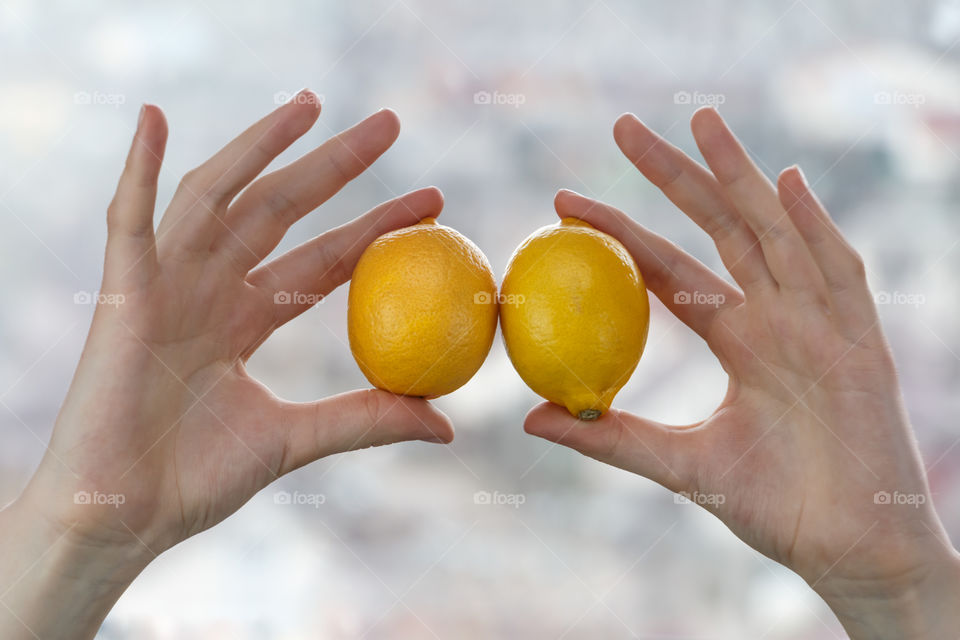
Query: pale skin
{"points": [[162, 411], [813, 423]]}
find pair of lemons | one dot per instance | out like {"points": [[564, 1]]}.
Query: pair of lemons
{"points": [[423, 309]]}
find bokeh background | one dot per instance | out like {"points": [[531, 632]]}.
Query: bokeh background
{"points": [[396, 542]]}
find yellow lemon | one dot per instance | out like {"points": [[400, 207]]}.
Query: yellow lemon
{"points": [[422, 310], [574, 314]]}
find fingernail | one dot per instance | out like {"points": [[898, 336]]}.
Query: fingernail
{"points": [[143, 111], [803, 177], [570, 192], [306, 96], [434, 440]]}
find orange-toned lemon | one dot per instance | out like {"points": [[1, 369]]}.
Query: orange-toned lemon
{"points": [[574, 314], [422, 310]]}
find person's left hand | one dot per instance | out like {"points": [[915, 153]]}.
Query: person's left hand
{"points": [[812, 430]]}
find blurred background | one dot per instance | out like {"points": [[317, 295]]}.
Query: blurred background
{"points": [[502, 102]]}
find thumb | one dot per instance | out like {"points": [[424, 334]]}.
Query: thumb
{"points": [[641, 446], [355, 420]]}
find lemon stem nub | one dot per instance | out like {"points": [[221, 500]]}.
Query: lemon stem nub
{"points": [[590, 414]]}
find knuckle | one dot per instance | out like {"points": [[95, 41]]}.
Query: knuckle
{"points": [[119, 220], [192, 181], [331, 266], [279, 204], [344, 162], [671, 264], [114, 214], [370, 406], [852, 274], [734, 179], [671, 178], [725, 227], [201, 186], [858, 267], [779, 231], [614, 438]]}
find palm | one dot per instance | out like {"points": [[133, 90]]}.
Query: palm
{"points": [[218, 466], [793, 400]]}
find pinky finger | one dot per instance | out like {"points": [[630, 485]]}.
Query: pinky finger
{"points": [[131, 245], [842, 267]]}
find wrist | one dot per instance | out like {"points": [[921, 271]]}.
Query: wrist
{"points": [[921, 603], [44, 562]]}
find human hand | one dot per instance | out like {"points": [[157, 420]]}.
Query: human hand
{"points": [[813, 424], [161, 410]]}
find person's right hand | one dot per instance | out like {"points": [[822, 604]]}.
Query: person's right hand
{"points": [[813, 425], [164, 433]]}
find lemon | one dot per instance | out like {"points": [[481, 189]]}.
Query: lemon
{"points": [[422, 310], [574, 314]]}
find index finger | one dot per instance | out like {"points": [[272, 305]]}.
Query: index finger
{"points": [[686, 286]]}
